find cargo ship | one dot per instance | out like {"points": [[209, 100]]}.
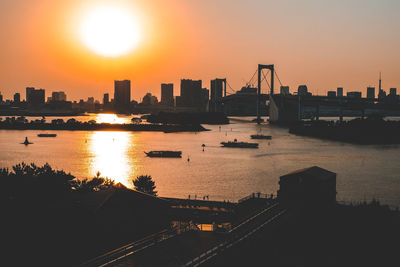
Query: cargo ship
{"points": [[235, 143], [164, 154]]}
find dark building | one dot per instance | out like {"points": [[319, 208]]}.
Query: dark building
{"points": [[28, 93], [17, 98], [193, 96], [371, 92], [218, 90], [167, 94], [339, 92], [106, 99], [149, 100], [35, 97], [1, 97], [122, 95], [393, 91], [58, 96], [312, 186], [244, 103], [284, 90], [381, 94], [354, 94], [331, 93], [303, 90]]}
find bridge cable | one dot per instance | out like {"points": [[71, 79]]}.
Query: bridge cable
{"points": [[278, 77]]}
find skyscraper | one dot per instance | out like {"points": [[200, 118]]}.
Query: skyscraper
{"points": [[339, 92], [106, 99], [122, 95], [167, 94], [35, 97], [217, 88], [58, 96], [371, 92]]}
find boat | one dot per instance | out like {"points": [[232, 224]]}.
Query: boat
{"points": [[260, 136], [47, 135], [26, 142], [235, 143], [164, 154]]}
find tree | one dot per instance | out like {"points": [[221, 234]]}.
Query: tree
{"points": [[145, 184]]}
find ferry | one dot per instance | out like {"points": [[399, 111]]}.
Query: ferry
{"points": [[47, 135], [164, 154], [260, 136], [235, 143]]}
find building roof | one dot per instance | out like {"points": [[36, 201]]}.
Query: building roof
{"points": [[311, 173]]}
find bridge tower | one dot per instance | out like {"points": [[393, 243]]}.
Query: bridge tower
{"points": [[260, 68]]}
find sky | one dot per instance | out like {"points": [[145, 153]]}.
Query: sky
{"points": [[323, 44]]}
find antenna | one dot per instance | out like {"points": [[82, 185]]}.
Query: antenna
{"points": [[380, 82]]}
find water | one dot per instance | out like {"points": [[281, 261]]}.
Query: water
{"points": [[363, 172]]}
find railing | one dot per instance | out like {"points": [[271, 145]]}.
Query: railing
{"points": [[236, 235], [134, 247], [256, 195]]}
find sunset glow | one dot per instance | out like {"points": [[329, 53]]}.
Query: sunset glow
{"points": [[110, 31]]}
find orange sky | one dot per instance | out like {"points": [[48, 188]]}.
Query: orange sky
{"points": [[323, 45]]}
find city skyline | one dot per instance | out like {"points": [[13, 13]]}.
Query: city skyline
{"points": [[321, 45]]}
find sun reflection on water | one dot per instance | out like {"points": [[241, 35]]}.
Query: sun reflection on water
{"points": [[111, 118], [110, 155]]}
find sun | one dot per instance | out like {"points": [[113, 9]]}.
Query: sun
{"points": [[110, 31]]}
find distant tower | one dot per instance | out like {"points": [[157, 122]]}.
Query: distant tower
{"points": [[380, 82]]}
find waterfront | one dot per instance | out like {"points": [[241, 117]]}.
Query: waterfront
{"points": [[364, 172]]}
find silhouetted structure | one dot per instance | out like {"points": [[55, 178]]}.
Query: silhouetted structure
{"points": [[218, 90], [339, 92], [106, 99], [331, 94], [58, 96], [17, 98], [371, 92], [122, 95], [308, 187], [284, 90], [303, 90], [167, 94], [193, 96], [35, 97]]}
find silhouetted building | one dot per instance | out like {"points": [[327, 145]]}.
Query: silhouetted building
{"points": [[17, 98], [371, 92], [35, 97], [331, 93], [312, 186], [28, 93], [339, 92], [192, 96], [381, 95], [393, 91], [58, 96], [106, 99], [284, 90], [303, 90], [243, 103], [1, 97], [218, 91], [149, 99], [354, 94], [167, 94], [122, 95]]}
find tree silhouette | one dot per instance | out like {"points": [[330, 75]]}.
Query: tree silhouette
{"points": [[145, 184]]}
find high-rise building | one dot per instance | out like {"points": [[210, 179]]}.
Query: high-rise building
{"points": [[58, 96], [106, 99], [190, 92], [1, 98], [371, 92], [17, 98], [393, 91], [284, 90], [217, 92], [122, 95], [339, 92], [28, 93], [35, 97], [167, 94], [354, 94]]}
